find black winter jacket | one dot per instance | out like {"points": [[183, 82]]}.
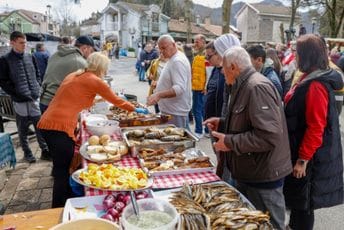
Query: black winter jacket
{"points": [[19, 76], [323, 184], [214, 97]]}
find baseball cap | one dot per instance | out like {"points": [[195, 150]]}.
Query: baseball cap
{"points": [[86, 40]]}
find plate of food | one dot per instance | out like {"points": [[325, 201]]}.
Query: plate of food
{"points": [[103, 150], [129, 119], [161, 161], [109, 177], [165, 136]]}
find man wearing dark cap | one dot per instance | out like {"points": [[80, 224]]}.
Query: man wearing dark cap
{"points": [[66, 60]]}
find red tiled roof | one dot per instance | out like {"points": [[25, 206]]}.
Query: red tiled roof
{"points": [[175, 25]]}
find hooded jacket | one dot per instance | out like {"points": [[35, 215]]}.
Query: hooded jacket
{"points": [[323, 184], [66, 60]]}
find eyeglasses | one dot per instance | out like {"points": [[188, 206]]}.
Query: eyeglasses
{"points": [[208, 57]]}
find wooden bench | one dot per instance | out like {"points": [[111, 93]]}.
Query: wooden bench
{"points": [[7, 112]]}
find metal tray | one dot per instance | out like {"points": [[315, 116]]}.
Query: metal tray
{"points": [[189, 153], [190, 143], [167, 193], [154, 119], [76, 174]]}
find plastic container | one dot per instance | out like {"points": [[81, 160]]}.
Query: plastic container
{"points": [[87, 224], [150, 204], [99, 128]]}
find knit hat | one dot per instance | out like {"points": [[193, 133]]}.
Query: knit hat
{"points": [[225, 42], [86, 40]]}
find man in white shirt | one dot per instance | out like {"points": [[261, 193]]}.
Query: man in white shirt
{"points": [[173, 90]]}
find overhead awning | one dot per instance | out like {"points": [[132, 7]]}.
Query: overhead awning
{"points": [[36, 37]]}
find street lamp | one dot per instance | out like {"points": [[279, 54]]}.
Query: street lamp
{"points": [[314, 22], [149, 27], [48, 20]]}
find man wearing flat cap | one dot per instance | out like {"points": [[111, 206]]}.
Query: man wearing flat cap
{"points": [[66, 60]]}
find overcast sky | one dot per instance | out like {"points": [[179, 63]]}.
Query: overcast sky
{"points": [[85, 8]]}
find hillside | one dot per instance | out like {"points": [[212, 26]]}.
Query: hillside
{"points": [[216, 13]]}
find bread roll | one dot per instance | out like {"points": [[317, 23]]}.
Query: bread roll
{"points": [[104, 139], [93, 140]]}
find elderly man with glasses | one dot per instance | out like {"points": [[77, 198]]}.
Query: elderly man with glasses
{"points": [[254, 135], [173, 89]]}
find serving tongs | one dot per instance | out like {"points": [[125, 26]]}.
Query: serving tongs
{"points": [[135, 206]]}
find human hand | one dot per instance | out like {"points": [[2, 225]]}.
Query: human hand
{"points": [[153, 99], [299, 169], [219, 145], [212, 123], [141, 110]]}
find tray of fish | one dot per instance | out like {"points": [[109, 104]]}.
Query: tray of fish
{"points": [[159, 136], [216, 206], [158, 162], [130, 119]]}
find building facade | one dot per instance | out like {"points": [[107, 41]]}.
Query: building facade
{"points": [[131, 24], [260, 23], [91, 26], [27, 22]]}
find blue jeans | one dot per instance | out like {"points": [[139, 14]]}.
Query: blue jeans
{"points": [[142, 73], [198, 110]]}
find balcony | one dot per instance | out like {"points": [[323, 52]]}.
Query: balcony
{"points": [[155, 26], [112, 26]]}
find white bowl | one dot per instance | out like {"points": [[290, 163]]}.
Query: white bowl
{"points": [[87, 224], [99, 128], [151, 204], [95, 117]]}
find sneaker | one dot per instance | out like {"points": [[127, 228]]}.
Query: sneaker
{"points": [[46, 156], [30, 158], [199, 135]]}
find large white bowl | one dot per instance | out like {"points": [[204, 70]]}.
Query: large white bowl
{"points": [[87, 224], [99, 128], [148, 205], [95, 117]]}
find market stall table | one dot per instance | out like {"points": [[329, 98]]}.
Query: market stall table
{"points": [[42, 219], [160, 182]]}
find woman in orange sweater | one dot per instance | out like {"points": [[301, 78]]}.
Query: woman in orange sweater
{"points": [[59, 121]]}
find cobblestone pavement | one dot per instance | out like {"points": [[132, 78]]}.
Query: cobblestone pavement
{"points": [[29, 186]]}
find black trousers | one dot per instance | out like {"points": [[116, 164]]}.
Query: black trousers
{"points": [[301, 219], [61, 147]]}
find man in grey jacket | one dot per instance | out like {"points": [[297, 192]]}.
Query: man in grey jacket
{"points": [[255, 136], [66, 60]]}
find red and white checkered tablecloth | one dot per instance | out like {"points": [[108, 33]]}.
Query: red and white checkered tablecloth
{"points": [[159, 182]]}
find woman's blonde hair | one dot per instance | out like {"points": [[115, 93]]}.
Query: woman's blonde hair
{"points": [[98, 63]]}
